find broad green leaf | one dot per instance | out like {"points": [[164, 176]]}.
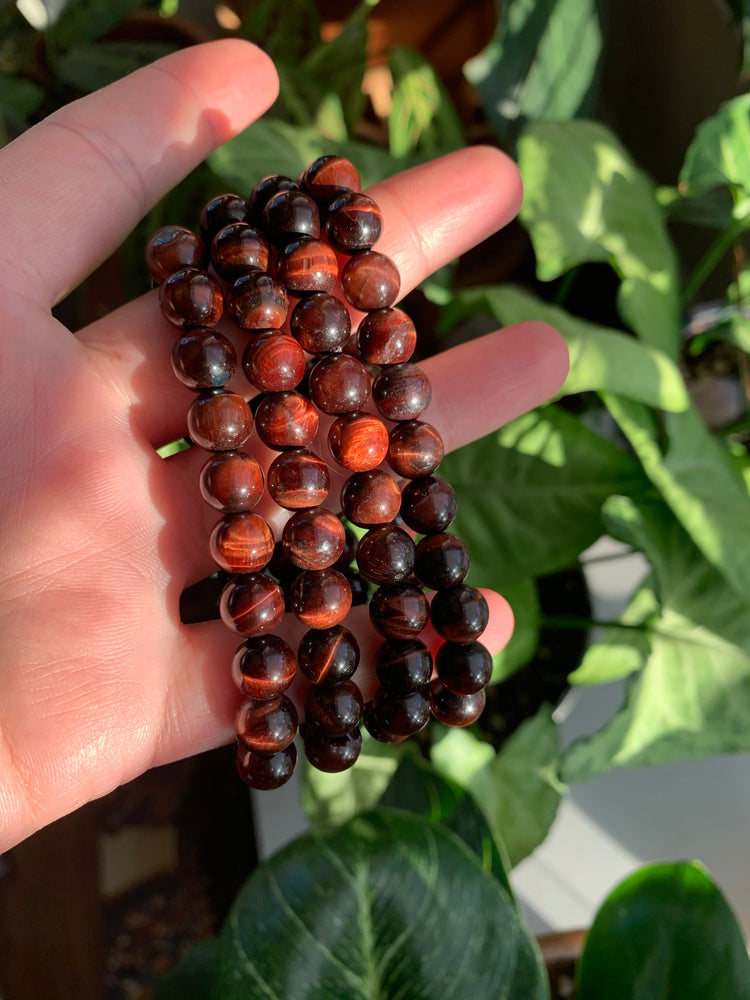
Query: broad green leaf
{"points": [[711, 208], [192, 975], [666, 931], [529, 496], [18, 96], [741, 11], [524, 601], [422, 115], [517, 789], [286, 31], [86, 20], [368, 912], [585, 200], [542, 63], [90, 67]]}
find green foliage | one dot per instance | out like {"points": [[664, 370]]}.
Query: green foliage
{"points": [[86, 20], [422, 116], [524, 602], [192, 975]]}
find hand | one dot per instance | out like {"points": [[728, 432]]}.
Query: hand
{"points": [[100, 680]]}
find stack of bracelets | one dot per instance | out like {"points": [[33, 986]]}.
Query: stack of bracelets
{"points": [[251, 258]]}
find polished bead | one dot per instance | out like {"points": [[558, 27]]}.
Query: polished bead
{"points": [[321, 323], [353, 222], [307, 265], [386, 555], [399, 610], [428, 505], [329, 655], [415, 449], [358, 441], [402, 714], [266, 726], [273, 362], [370, 280], [237, 248], [191, 298], [264, 190], [266, 771], [220, 422], [455, 709], [359, 586], [241, 543], [331, 753], [256, 301], [403, 665], [313, 539], [203, 359], [442, 561], [286, 420], [370, 498], [219, 212], [298, 479], [328, 177], [321, 598], [402, 392], [231, 481], [289, 215], [387, 337], [464, 667], [336, 708], [460, 613], [171, 249], [264, 667], [252, 604], [374, 726], [339, 384]]}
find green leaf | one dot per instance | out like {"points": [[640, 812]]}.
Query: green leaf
{"points": [[517, 789], [286, 31], [741, 12], [710, 208], [542, 63], [422, 114], [86, 20], [368, 912], [193, 975], [524, 601], [89, 67], [19, 97], [666, 931], [585, 200], [529, 496]]}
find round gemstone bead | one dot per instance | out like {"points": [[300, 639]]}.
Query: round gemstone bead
{"points": [[241, 543], [266, 726], [256, 301], [386, 555], [387, 337], [298, 479], [428, 505], [220, 421], [370, 280], [369, 498], [402, 392], [264, 667], [415, 449], [191, 298], [464, 667], [238, 248], [455, 709], [264, 190], [266, 771], [286, 420], [402, 714], [321, 598], [321, 323], [354, 222], [289, 215], [442, 561], [403, 665], [307, 265], [219, 212], [274, 362], [336, 708], [331, 753], [203, 359], [339, 384], [399, 610], [328, 177], [231, 482], [171, 249], [460, 613], [328, 656], [374, 726], [358, 441], [252, 604], [313, 539]]}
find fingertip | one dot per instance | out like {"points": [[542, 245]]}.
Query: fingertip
{"points": [[500, 626], [548, 354]]}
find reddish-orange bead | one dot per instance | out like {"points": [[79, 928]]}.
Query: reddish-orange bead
{"points": [[231, 481], [203, 359], [172, 248], [370, 280], [307, 265], [238, 248], [298, 479], [266, 771], [321, 323], [339, 384], [314, 539], [241, 543], [191, 298], [369, 498], [256, 301], [387, 337], [252, 604], [399, 610], [358, 441], [220, 421], [386, 554], [264, 667], [353, 222], [328, 177], [455, 709], [219, 212], [286, 420], [266, 726], [336, 708], [274, 362], [321, 598], [415, 449], [402, 392]]}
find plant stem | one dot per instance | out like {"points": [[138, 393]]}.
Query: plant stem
{"points": [[563, 289], [711, 258]]}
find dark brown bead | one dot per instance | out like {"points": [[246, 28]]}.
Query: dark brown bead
{"points": [[402, 392], [359, 586], [298, 479], [237, 248], [321, 598], [370, 280], [191, 298], [464, 667], [171, 249], [386, 555], [354, 222], [266, 771], [403, 665], [289, 215], [329, 655], [331, 753], [358, 441], [328, 177], [252, 604], [203, 359], [231, 482], [307, 265], [264, 667], [460, 613], [273, 362], [266, 726], [402, 714], [374, 726], [455, 709], [387, 337], [442, 561], [370, 498], [220, 422], [219, 212], [241, 543], [256, 301], [399, 610], [286, 420], [339, 384], [321, 323], [264, 190], [336, 708], [313, 539], [428, 505], [350, 548], [415, 449]]}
